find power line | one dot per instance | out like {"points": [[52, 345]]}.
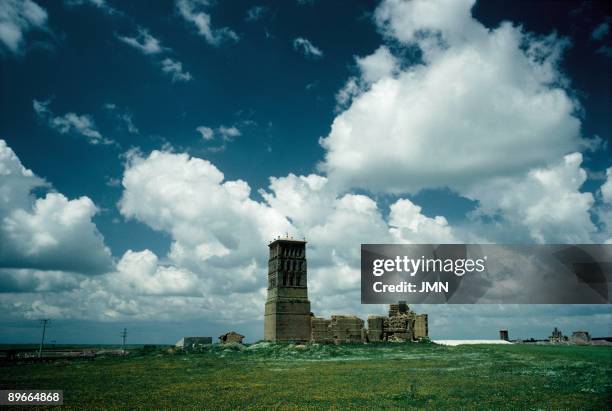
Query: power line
{"points": [[123, 336], [44, 322]]}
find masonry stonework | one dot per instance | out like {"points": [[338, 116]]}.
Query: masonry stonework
{"points": [[287, 311]]}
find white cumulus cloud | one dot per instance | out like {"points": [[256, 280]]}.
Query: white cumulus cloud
{"points": [[606, 188], [219, 232], [141, 273], [48, 233], [377, 65], [409, 225], [213, 223], [546, 202], [482, 104]]}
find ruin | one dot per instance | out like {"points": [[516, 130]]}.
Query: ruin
{"points": [[338, 329], [557, 336], [581, 337], [287, 311], [231, 337]]}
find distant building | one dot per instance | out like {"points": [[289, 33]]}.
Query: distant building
{"points": [[581, 337], [231, 337], [503, 335], [188, 343], [557, 336]]}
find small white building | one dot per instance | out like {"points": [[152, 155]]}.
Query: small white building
{"points": [[453, 343], [187, 343]]}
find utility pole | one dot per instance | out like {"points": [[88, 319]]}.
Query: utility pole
{"points": [[44, 322], [123, 336]]}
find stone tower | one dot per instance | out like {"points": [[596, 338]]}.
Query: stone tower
{"points": [[287, 315]]}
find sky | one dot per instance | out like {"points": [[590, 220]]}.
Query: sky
{"points": [[149, 154]]}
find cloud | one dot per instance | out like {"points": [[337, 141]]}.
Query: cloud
{"points": [[335, 226], [377, 65], [601, 31], [496, 93], [425, 21], [17, 181], [124, 116], [218, 231], [216, 228], [72, 123], [481, 104], [49, 233], [409, 225], [175, 69], [144, 42], [604, 51], [229, 133], [37, 281], [206, 132], [17, 18], [100, 4], [192, 12], [546, 202], [141, 273], [305, 47], [149, 45], [224, 133], [606, 188], [604, 211], [129, 124], [256, 13]]}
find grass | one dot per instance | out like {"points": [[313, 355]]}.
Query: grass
{"points": [[392, 376]]}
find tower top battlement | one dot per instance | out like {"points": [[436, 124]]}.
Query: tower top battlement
{"points": [[286, 240]]}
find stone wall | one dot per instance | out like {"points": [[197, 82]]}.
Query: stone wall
{"points": [[398, 327], [421, 327], [375, 328], [347, 328], [401, 325], [321, 331]]}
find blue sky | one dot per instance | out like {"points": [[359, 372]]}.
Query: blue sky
{"points": [[378, 122]]}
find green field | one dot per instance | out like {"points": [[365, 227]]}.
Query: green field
{"points": [[391, 376]]}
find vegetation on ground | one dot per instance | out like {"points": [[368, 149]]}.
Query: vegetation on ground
{"points": [[375, 376]]}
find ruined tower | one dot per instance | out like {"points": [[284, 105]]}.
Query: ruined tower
{"points": [[287, 315]]}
